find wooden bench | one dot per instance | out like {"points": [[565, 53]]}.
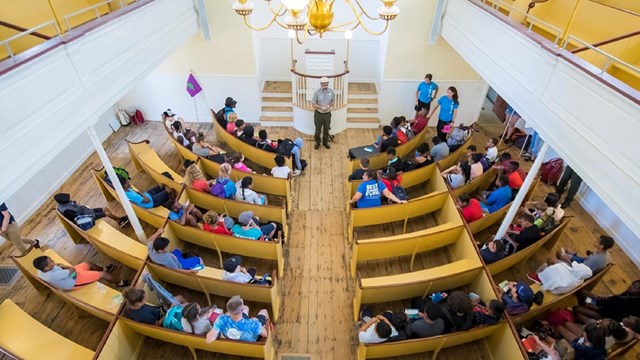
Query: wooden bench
{"points": [[471, 188], [379, 161], [154, 217], [520, 257], [132, 253], [396, 212], [551, 300], [146, 159], [20, 333], [258, 156], [455, 156], [95, 298], [261, 183]]}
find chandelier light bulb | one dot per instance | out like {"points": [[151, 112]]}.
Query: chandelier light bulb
{"points": [[243, 7], [388, 12], [348, 34], [295, 5]]}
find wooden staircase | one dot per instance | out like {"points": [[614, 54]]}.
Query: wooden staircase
{"points": [[277, 103], [362, 106]]}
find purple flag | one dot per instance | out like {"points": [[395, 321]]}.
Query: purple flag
{"points": [[193, 88]]}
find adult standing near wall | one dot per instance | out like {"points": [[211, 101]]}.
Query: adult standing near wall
{"points": [[447, 116], [427, 91], [9, 229], [322, 101]]}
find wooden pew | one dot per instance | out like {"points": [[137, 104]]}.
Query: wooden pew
{"points": [[148, 161], [551, 300], [208, 280], [261, 183], [520, 257], [490, 219], [256, 155], [154, 217], [19, 332], [482, 182], [97, 299], [379, 161], [455, 156], [396, 212], [500, 340]]}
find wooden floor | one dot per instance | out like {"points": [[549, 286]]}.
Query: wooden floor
{"points": [[316, 288]]}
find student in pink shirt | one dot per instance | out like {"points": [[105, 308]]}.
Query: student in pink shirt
{"points": [[237, 161]]}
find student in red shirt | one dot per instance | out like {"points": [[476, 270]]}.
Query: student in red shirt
{"points": [[470, 208], [515, 180], [420, 121], [214, 223]]}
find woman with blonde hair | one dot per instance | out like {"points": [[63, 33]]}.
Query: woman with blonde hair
{"points": [[194, 178], [214, 223]]}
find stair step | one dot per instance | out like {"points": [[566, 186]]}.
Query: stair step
{"points": [[362, 110], [286, 99], [362, 88], [363, 120], [277, 87], [276, 118], [277, 108], [362, 101]]}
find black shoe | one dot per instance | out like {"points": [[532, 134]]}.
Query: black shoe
{"points": [[123, 221], [317, 146], [327, 145], [566, 204]]}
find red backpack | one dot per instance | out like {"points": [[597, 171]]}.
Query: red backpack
{"points": [[137, 118], [551, 170]]}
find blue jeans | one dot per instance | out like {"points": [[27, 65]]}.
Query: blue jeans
{"points": [[296, 152]]}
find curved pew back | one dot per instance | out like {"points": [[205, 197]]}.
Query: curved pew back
{"points": [[95, 298], [256, 155], [146, 159], [18, 331], [455, 156], [379, 161], [409, 178], [482, 182]]}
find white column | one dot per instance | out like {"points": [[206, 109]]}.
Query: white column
{"points": [[133, 219], [515, 205]]}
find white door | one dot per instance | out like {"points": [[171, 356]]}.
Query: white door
{"points": [[318, 65]]}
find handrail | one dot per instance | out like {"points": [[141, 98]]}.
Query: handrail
{"points": [[609, 41], [22, 29], [616, 8], [293, 70], [6, 42], [610, 58], [89, 8], [300, 87]]}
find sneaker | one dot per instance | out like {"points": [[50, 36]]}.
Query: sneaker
{"points": [[296, 172], [534, 277], [123, 221]]}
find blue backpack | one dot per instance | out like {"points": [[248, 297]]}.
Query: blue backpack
{"points": [[173, 319], [224, 188]]}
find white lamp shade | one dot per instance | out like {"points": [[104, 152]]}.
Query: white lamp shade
{"points": [[240, 6], [296, 5]]}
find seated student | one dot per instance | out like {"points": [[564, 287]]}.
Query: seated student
{"points": [[504, 163], [515, 181], [429, 324], [216, 224], [186, 214], [370, 192], [615, 307], [244, 192], [517, 297], [559, 277], [398, 124], [597, 260], [235, 272], [619, 332], [237, 162], [489, 314], [281, 170], [492, 150], [393, 161], [440, 149], [420, 122], [236, 324], [458, 312], [526, 236], [71, 209], [232, 118], [357, 173], [223, 186], [158, 248], [240, 125], [264, 143], [195, 320], [471, 150], [154, 197], [138, 310], [387, 139], [194, 178], [491, 202], [248, 135], [587, 343], [422, 157], [391, 179], [477, 168], [203, 148], [456, 138], [470, 208], [187, 137], [168, 118], [492, 251], [250, 228], [66, 277], [457, 175], [374, 330]]}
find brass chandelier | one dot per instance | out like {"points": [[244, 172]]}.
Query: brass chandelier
{"points": [[315, 17]]}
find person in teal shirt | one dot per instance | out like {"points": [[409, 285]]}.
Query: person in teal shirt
{"points": [[448, 112], [427, 91]]}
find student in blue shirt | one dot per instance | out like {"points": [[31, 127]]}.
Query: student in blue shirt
{"points": [[427, 91], [370, 192], [497, 199], [186, 214], [448, 112], [154, 197]]}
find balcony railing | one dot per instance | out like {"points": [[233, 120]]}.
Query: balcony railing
{"points": [[304, 85]]}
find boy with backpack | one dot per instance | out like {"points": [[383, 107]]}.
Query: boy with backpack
{"points": [[222, 114], [75, 212]]}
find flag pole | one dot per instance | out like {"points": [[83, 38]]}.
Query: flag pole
{"points": [[195, 105]]}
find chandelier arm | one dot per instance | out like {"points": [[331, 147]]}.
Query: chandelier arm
{"points": [[273, 19], [386, 25], [364, 11], [277, 13]]}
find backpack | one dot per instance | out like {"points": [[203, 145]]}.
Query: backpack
{"points": [[285, 147], [137, 118], [408, 165], [456, 137], [220, 117], [119, 172], [173, 319], [551, 170], [399, 191], [303, 164], [525, 299], [548, 225], [84, 222], [221, 188]]}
